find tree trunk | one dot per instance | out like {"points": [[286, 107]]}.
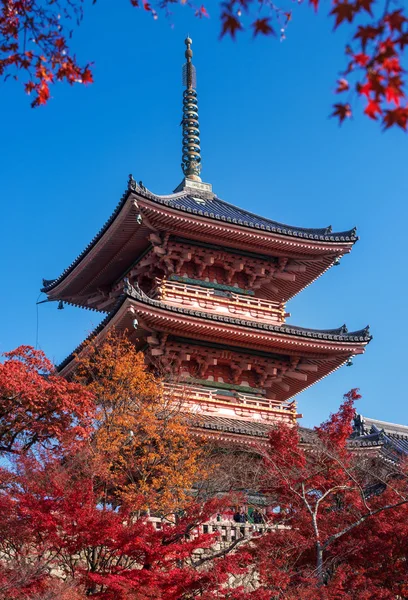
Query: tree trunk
{"points": [[319, 563]]}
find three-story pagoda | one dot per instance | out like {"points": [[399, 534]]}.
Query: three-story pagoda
{"points": [[200, 286]]}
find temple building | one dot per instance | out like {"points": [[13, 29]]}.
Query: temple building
{"points": [[201, 285], [387, 439]]}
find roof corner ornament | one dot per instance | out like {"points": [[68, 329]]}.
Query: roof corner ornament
{"points": [[191, 153], [131, 182], [130, 289], [343, 329], [359, 425]]}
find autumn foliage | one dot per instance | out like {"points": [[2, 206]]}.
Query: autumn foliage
{"points": [[78, 513], [59, 536], [343, 516], [37, 406], [35, 43], [98, 496], [148, 457]]}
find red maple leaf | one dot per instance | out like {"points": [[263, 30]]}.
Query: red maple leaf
{"points": [[29, 87], [343, 12], [341, 111], [376, 82], [367, 33], [364, 90], [86, 76], [373, 109], [230, 25], [262, 26], [396, 116], [364, 5], [392, 65], [361, 59], [395, 20], [393, 91], [387, 48]]}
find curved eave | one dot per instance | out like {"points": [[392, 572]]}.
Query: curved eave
{"points": [[333, 336], [329, 349], [122, 236], [219, 210]]}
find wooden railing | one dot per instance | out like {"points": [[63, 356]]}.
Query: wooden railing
{"points": [[202, 396], [208, 299], [228, 530]]}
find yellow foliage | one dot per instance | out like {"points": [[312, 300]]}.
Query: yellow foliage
{"points": [[145, 454]]}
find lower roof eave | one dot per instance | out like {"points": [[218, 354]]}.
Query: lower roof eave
{"points": [[134, 310]]}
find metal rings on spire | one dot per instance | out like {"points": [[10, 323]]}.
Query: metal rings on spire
{"points": [[191, 152]]}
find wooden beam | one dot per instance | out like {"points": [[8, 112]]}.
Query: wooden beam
{"points": [[296, 375], [295, 268], [285, 276], [308, 367]]}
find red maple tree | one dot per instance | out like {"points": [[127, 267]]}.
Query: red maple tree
{"points": [[342, 514], [57, 533], [34, 38], [102, 508], [37, 406], [74, 502]]}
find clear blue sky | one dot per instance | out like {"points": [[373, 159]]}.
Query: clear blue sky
{"points": [[267, 146]]}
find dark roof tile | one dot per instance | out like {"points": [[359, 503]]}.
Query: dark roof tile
{"points": [[213, 208]]}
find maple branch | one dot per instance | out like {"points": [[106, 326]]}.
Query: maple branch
{"points": [[219, 554], [372, 513]]}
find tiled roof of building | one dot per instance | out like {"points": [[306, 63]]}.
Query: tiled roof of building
{"points": [[393, 437], [336, 335], [341, 334], [240, 426], [218, 209], [212, 208], [392, 440]]}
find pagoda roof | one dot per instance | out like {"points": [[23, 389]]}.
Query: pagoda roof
{"points": [[328, 348], [372, 432], [245, 427], [125, 236], [220, 210]]}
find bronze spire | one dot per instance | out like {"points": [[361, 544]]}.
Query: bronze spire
{"points": [[191, 154]]}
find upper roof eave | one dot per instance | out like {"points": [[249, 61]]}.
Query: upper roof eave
{"points": [[221, 212]]}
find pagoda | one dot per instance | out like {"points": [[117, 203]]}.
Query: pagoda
{"points": [[200, 287]]}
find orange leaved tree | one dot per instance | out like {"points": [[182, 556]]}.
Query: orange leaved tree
{"points": [[142, 437]]}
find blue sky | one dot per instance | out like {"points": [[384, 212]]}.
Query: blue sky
{"points": [[268, 145]]}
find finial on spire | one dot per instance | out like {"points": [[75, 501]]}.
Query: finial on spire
{"points": [[191, 156]]}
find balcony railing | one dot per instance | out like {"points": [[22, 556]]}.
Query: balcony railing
{"points": [[242, 404], [228, 531], [227, 302]]}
